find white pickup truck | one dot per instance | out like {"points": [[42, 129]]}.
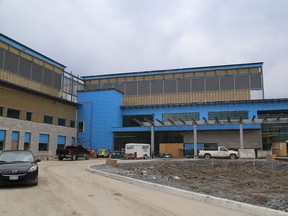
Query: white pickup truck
{"points": [[222, 152]]}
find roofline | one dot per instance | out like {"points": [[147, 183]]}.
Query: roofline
{"points": [[179, 70], [30, 51], [207, 103]]}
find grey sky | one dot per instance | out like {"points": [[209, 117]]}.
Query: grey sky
{"points": [[95, 37]]}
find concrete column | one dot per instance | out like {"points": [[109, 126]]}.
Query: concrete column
{"points": [[152, 142], [195, 141], [241, 136]]}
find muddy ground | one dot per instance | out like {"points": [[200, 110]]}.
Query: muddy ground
{"points": [[256, 182]]}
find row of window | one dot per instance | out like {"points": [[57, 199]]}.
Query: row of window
{"points": [[43, 144], [195, 84], [133, 120], [13, 113], [28, 69]]}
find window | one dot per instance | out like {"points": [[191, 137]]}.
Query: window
{"points": [[27, 140], [61, 122], [61, 142], [1, 111], [2, 139], [81, 126], [225, 115], [183, 116], [128, 120], [12, 113], [72, 124], [73, 141], [28, 116], [48, 119], [43, 142]]}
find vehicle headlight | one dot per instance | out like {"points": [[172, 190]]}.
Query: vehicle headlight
{"points": [[33, 168]]}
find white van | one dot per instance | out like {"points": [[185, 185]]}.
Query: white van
{"points": [[137, 150]]}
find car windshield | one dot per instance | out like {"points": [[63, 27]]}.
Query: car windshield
{"points": [[11, 156]]}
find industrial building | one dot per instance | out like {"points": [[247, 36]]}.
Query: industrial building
{"points": [[43, 107], [38, 107], [174, 109]]}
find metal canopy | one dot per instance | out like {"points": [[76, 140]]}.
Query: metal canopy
{"points": [[206, 122]]}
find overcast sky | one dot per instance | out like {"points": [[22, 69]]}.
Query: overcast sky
{"points": [[92, 37]]}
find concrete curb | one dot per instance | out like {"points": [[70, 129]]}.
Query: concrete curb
{"points": [[238, 206]]}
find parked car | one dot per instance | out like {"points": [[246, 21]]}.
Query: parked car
{"points": [[221, 152], [165, 155], [116, 154], [18, 167], [73, 152]]}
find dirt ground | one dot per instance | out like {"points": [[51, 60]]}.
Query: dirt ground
{"points": [[256, 182]]}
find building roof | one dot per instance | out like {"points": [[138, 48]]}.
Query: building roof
{"points": [[179, 70], [30, 51]]}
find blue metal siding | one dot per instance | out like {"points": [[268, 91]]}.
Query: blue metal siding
{"points": [[100, 110]]}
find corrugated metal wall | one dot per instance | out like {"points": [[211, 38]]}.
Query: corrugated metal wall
{"points": [[180, 98]]}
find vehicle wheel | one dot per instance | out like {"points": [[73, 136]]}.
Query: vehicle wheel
{"points": [[232, 156], [35, 183], [207, 156], [73, 157], [60, 158]]}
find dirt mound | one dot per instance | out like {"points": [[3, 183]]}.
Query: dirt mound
{"points": [[257, 182]]}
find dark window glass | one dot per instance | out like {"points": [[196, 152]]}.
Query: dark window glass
{"points": [[184, 85], [107, 86], [57, 78], [198, 84], [212, 83], [131, 88], [1, 145], [119, 87], [1, 111], [43, 142], [144, 88], [182, 116], [48, 77], [227, 83], [37, 72], [1, 57], [242, 82], [61, 122], [28, 116], [230, 114], [11, 62], [169, 86], [12, 113], [128, 120], [255, 80], [2, 139], [72, 124], [81, 126], [48, 119], [94, 87], [25, 68], [157, 87]]}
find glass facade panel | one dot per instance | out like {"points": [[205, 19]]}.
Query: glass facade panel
{"points": [[170, 86], [256, 81], [1, 57], [128, 120], [242, 82], [183, 116], [144, 88], [230, 114], [48, 77], [212, 84], [198, 84], [107, 86], [131, 88], [184, 85], [37, 72], [157, 87], [119, 86], [25, 68], [11, 62], [227, 83]]}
